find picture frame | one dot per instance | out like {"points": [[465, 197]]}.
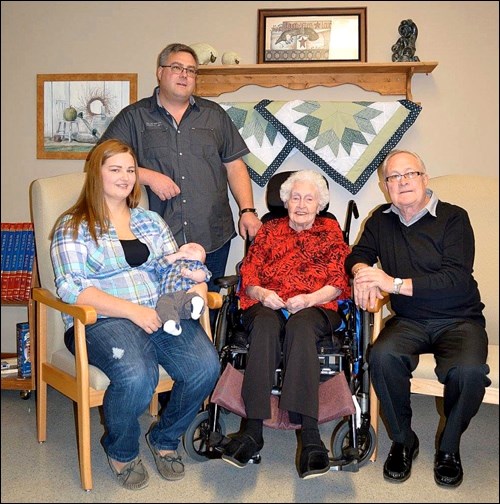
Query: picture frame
{"points": [[311, 35], [73, 110]]}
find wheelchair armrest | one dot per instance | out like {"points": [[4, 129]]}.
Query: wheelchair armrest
{"points": [[84, 313], [227, 281]]}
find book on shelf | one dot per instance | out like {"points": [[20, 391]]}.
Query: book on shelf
{"points": [[7, 252], [27, 264], [20, 250], [16, 252], [5, 233], [23, 349]]}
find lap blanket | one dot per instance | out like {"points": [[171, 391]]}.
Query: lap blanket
{"points": [[347, 140]]}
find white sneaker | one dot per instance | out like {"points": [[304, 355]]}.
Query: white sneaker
{"points": [[197, 305], [172, 327]]}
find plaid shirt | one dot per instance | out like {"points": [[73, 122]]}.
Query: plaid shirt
{"points": [[173, 280], [82, 263]]}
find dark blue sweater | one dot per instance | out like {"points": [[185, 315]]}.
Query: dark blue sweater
{"points": [[437, 253]]}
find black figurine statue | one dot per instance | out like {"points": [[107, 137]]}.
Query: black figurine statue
{"points": [[404, 48]]}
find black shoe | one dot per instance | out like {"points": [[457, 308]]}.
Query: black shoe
{"points": [[448, 470], [397, 467], [241, 449], [313, 461]]}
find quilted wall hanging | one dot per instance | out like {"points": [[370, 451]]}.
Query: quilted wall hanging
{"points": [[347, 140]]}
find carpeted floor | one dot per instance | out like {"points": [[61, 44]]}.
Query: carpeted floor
{"points": [[49, 472]]}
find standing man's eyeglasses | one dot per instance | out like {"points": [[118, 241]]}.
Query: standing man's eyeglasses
{"points": [[177, 70]]}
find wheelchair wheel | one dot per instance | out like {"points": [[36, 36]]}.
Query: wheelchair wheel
{"points": [[341, 442], [195, 440]]}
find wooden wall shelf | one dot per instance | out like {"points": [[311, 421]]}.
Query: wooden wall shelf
{"points": [[383, 78]]}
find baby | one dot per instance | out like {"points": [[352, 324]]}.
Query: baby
{"points": [[179, 299]]}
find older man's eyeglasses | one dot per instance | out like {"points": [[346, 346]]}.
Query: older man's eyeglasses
{"points": [[178, 69], [407, 176]]}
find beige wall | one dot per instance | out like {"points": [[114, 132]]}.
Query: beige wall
{"points": [[456, 132]]}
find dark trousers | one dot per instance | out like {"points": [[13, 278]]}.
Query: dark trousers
{"points": [[460, 348], [269, 333]]}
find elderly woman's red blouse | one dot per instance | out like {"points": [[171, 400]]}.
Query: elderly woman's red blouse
{"points": [[291, 263]]}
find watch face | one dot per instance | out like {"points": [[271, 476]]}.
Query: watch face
{"points": [[398, 282]]}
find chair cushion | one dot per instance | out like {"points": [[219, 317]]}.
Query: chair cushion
{"points": [[65, 360], [425, 368]]}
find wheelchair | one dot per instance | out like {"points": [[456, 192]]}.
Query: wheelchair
{"points": [[353, 439]]}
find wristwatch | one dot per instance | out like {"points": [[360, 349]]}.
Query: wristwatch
{"points": [[398, 282], [245, 210]]}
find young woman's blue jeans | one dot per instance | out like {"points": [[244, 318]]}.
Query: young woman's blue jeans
{"points": [[130, 357]]}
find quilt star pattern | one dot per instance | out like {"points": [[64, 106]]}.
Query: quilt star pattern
{"points": [[347, 140]]}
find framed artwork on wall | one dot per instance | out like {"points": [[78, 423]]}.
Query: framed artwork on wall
{"points": [[73, 110], [308, 35]]}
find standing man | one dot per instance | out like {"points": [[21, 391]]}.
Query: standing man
{"points": [[189, 151], [426, 252]]}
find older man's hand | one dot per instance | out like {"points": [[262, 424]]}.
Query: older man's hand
{"points": [[368, 286]]}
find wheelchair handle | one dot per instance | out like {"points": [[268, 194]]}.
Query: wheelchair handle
{"points": [[352, 209]]}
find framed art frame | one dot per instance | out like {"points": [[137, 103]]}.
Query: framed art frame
{"points": [[73, 110], [308, 35]]}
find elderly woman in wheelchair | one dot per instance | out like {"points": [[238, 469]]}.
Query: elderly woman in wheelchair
{"points": [[292, 277]]}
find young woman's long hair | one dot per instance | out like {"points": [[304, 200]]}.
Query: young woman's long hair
{"points": [[91, 206]]}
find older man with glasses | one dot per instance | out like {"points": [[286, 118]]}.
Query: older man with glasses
{"points": [[425, 251]]}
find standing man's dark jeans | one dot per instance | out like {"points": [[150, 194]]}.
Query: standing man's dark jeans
{"points": [[216, 262]]}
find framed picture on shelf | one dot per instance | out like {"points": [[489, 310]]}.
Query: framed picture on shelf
{"points": [[73, 110], [308, 35]]}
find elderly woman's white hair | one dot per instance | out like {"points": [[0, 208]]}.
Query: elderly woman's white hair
{"points": [[311, 176]]}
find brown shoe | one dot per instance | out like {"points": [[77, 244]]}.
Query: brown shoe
{"points": [[133, 475], [170, 467]]}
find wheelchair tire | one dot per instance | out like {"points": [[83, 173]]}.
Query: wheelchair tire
{"points": [[341, 438], [195, 439]]}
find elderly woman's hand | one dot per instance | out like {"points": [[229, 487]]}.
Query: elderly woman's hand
{"points": [[297, 303], [267, 297]]}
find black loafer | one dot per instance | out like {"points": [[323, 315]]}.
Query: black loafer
{"points": [[397, 467], [313, 461], [240, 449], [448, 470]]}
